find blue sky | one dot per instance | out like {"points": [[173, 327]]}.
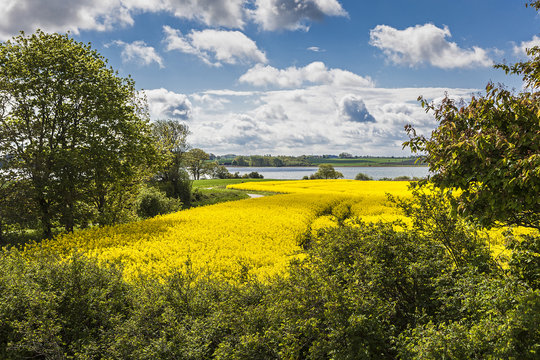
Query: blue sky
{"points": [[294, 76]]}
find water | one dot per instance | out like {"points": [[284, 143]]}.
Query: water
{"points": [[297, 173]]}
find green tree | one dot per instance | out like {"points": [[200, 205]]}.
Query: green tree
{"points": [[490, 150], [172, 136], [241, 161], [195, 162], [362, 177], [74, 130], [327, 171]]}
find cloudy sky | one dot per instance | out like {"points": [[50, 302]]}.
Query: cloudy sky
{"points": [[294, 76]]}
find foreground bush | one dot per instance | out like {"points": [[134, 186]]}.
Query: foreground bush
{"points": [[53, 309]]}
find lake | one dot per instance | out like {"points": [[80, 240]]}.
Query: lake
{"points": [[297, 173]]}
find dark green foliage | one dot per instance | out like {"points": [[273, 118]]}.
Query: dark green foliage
{"points": [[53, 309], [178, 186], [173, 178], [152, 202], [433, 217], [490, 150], [326, 171], [194, 161], [254, 175], [525, 260], [362, 177], [75, 136]]}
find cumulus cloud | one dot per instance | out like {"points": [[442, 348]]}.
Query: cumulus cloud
{"points": [[227, 13], [139, 52], [400, 108], [426, 44], [314, 120], [314, 73], [164, 104], [353, 108], [521, 49], [102, 15], [293, 14], [105, 15], [315, 49], [215, 47], [56, 16]]}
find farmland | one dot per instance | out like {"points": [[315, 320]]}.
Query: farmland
{"points": [[255, 237]]}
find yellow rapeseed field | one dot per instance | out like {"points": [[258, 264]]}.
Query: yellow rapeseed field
{"points": [[254, 237]]}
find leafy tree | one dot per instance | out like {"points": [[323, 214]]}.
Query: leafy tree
{"points": [[490, 150], [241, 161], [220, 172], [172, 136], [327, 171], [363, 177], [74, 130], [195, 162]]}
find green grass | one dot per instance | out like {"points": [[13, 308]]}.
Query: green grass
{"points": [[202, 196], [222, 183], [208, 192]]}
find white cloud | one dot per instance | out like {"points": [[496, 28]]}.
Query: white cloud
{"points": [[165, 104], [57, 16], [521, 49], [139, 52], [215, 47], [315, 49], [104, 15], [293, 14], [353, 108], [314, 73], [227, 13], [426, 44], [325, 118]]}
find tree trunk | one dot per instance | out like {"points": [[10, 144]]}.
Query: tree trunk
{"points": [[45, 218]]}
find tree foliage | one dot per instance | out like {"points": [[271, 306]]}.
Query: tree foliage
{"points": [[490, 150], [72, 130], [172, 138], [195, 161], [327, 171]]}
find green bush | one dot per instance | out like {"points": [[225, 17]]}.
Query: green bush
{"points": [[52, 309], [362, 176], [152, 202]]}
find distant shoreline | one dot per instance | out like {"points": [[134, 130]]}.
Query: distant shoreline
{"points": [[333, 164]]}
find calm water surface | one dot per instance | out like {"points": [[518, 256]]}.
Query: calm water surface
{"points": [[297, 173]]}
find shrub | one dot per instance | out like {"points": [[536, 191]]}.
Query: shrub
{"points": [[152, 202], [52, 309], [363, 177], [402, 178]]}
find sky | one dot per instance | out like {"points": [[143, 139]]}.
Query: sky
{"points": [[293, 77]]}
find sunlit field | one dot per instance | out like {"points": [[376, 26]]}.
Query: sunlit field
{"points": [[254, 237]]}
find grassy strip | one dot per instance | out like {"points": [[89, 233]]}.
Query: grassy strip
{"points": [[202, 196], [222, 183]]}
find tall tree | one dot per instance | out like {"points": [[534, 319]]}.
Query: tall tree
{"points": [[172, 136], [73, 128], [195, 162], [490, 150]]}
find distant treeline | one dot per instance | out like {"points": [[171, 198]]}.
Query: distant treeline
{"points": [[343, 159]]}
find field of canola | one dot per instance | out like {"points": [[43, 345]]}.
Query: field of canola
{"points": [[256, 237]]}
